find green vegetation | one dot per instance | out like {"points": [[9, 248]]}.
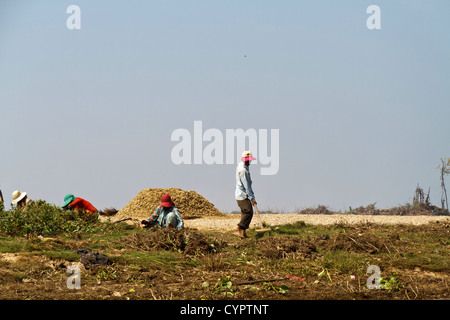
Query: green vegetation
{"points": [[45, 219], [292, 261]]}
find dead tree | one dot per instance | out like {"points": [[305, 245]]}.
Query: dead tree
{"points": [[1, 200], [445, 169], [418, 196]]}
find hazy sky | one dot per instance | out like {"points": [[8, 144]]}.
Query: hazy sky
{"points": [[363, 115]]}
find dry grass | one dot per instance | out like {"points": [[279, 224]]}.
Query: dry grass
{"points": [[190, 204]]}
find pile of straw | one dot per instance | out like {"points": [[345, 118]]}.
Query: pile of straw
{"points": [[189, 204]]}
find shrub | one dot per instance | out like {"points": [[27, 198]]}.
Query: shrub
{"points": [[45, 219]]}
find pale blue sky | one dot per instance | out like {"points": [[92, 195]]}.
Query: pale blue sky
{"points": [[363, 114]]}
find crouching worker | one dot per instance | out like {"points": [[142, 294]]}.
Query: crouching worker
{"points": [[77, 203], [21, 200], [165, 216]]}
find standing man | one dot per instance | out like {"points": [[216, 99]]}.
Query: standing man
{"points": [[244, 193]]}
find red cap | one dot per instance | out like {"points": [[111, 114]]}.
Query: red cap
{"points": [[166, 201]]}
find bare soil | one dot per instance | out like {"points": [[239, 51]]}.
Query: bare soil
{"points": [[303, 261]]}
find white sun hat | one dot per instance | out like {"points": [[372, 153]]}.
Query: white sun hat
{"points": [[17, 196]]}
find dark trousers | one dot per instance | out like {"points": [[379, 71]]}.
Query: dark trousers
{"points": [[246, 213]]}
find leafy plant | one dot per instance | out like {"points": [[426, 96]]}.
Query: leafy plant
{"points": [[45, 219], [270, 287], [391, 284], [243, 258], [224, 286], [325, 272], [107, 274]]}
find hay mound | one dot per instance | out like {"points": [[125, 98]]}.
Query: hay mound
{"points": [[189, 204]]}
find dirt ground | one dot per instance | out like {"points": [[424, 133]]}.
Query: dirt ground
{"points": [[230, 221], [193, 264]]}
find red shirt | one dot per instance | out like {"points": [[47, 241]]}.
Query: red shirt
{"points": [[81, 204]]}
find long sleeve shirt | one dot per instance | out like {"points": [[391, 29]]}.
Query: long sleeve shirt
{"points": [[160, 217], [81, 204], [243, 183]]}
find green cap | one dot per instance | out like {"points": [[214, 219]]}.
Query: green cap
{"points": [[68, 198]]}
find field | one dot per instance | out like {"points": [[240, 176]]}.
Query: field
{"points": [[289, 261]]}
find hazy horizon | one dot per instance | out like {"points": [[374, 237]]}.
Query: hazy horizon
{"points": [[362, 113]]}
